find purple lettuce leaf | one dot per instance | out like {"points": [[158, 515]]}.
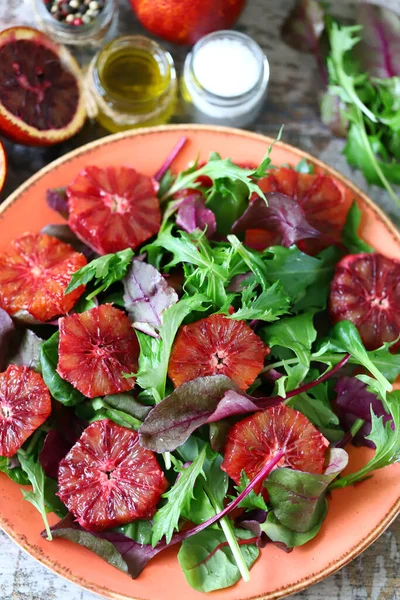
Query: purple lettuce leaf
{"points": [[353, 402], [283, 215], [303, 29], [57, 200], [7, 333], [193, 214], [146, 295], [65, 234], [206, 400], [379, 48], [18, 347]]}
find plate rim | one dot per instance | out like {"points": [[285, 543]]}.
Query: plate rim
{"points": [[390, 516]]}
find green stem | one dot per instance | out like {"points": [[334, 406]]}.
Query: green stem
{"points": [[101, 288], [355, 428], [230, 538], [167, 460]]}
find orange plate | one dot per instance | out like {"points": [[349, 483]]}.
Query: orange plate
{"points": [[357, 515]]}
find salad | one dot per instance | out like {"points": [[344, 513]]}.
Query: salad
{"points": [[185, 361]]}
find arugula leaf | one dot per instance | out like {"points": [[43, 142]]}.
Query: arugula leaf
{"points": [[342, 40], [294, 269], [316, 294], [252, 500], [252, 259], [348, 340], [60, 389], [298, 498], [208, 562], [154, 353], [178, 497], [316, 406], [386, 440], [36, 478], [387, 362], [268, 306], [217, 169], [287, 333], [265, 164], [103, 271], [228, 201], [350, 237]]}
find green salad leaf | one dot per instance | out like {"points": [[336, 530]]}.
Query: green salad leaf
{"points": [[267, 306], [385, 436], [350, 237], [103, 271], [36, 478], [60, 389], [279, 533]]}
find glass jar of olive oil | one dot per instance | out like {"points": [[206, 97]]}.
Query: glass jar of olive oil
{"points": [[131, 83]]}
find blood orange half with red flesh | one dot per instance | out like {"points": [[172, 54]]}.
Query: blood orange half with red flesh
{"points": [[96, 349], [113, 208], [41, 99], [25, 405], [255, 440], [107, 479], [217, 345], [35, 271], [365, 290], [320, 198]]}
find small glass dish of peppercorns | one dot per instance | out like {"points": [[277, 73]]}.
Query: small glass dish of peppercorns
{"points": [[76, 22]]}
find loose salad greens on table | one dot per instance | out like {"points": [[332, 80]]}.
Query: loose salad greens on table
{"points": [[185, 361]]}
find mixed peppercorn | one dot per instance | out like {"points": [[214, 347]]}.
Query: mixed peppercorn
{"points": [[75, 12]]}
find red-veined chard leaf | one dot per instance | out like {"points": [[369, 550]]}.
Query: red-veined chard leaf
{"points": [[57, 200], [193, 214], [379, 48]]}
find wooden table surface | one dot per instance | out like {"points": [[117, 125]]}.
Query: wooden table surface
{"points": [[292, 100]]}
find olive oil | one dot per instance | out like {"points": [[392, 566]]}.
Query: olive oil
{"points": [[133, 81]]}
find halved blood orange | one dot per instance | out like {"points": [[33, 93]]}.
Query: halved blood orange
{"points": [[34, 273], [365, 290], [217, 345], [113, 208], [41, 100], [25, 405], [96, 349], [107, 479], [3, 166], [256, 439], [322, 201]]}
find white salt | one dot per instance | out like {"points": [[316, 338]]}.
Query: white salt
{"points": [[226, 67]]}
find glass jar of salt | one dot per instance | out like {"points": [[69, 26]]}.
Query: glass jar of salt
{"points": [[225, 79]]}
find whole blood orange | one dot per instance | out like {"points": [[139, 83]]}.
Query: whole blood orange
{"points": [[186, 21], [41, 100], [107, 479], [217, 345], [34, 273], [256, 439], [25, 405], [113, 208], [97, 348], [365, 289]]}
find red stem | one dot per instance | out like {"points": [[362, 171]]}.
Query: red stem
{"points": [[261, 475], [170, 158]]}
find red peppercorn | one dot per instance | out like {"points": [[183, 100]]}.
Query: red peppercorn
{"points": [[77, 21]]}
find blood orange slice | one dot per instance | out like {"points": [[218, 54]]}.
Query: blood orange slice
{"points": [[25, 405], [322, 201], [217, 345], [34, 273], [41, 100], [96, 349], [256, 439], [366, 290], [107, 479], [113, 208]]}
